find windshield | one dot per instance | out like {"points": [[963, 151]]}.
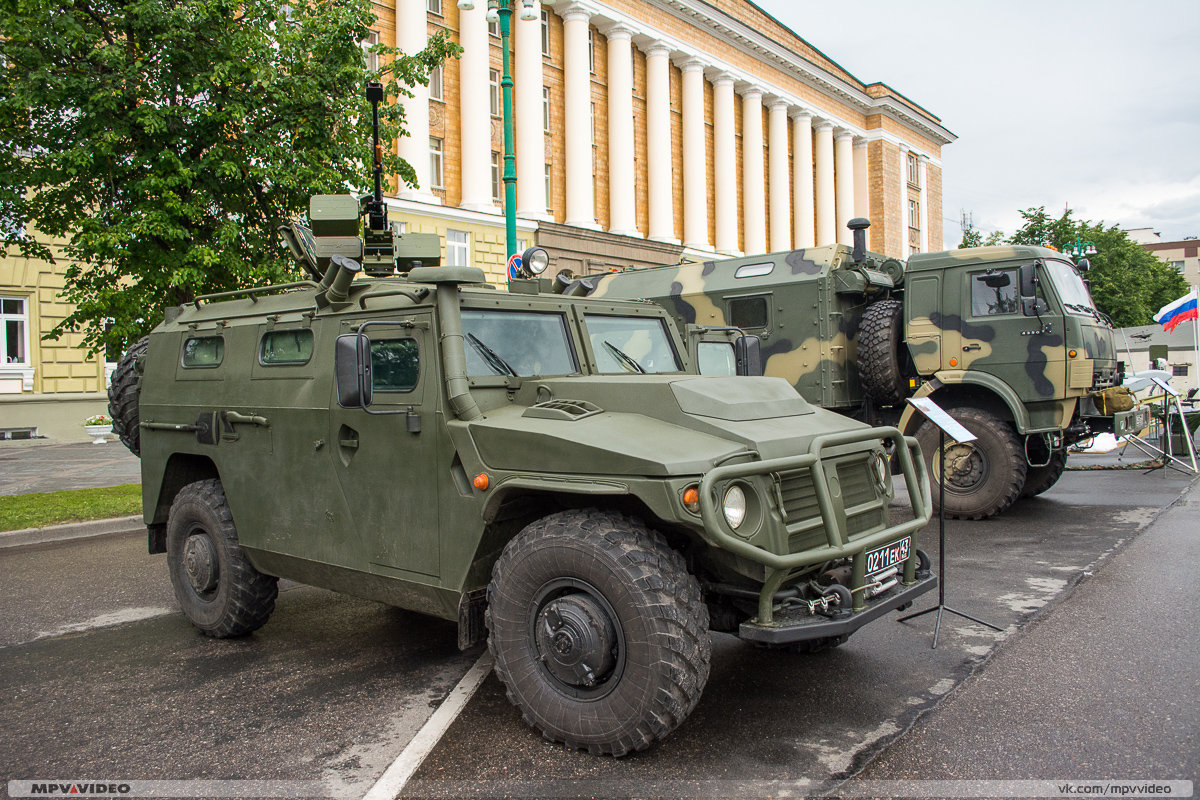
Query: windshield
{"points": [[517, 343], [631, 344], [1071, 289]]}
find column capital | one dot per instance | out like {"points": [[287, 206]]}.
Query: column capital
{"points": [[924, 159], [902, 147], [722, 79], [752, 89], [799, 114], [657, 48], [842, 134], [822, 125], [775, 103], [574, 11], [860, 142], [619, 30], [690, 63]]}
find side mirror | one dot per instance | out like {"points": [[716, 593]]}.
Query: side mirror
{"points": [[352, 366], [1084, 265], [1029, 280], [747, 350]]}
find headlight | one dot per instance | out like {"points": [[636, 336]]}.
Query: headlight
{"points": [[734, 506], [535, 260]]}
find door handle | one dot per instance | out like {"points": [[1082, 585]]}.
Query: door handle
{"points": [[972, 347]]}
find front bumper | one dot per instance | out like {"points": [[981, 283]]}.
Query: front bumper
{"points": [[797, 625]]}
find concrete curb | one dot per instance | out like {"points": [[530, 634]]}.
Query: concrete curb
{"points": [[71, 530]]}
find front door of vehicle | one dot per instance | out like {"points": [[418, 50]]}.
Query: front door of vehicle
{"points": [[996, 337], [385, 462]]}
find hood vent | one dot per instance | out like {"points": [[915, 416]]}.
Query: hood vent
{"points": [[565, 410]]}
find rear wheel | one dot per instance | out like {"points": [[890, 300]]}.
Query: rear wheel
{"points": [[982, 477], [217, 587], [1040, 479], [881, 356], [599, 633]]}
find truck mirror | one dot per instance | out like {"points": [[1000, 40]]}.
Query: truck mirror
{"points": [[1033, 306], [1028, 280], [995, 280], [352, 365], [749, 355]]}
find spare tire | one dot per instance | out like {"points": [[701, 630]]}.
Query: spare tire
{"points": [[123, 393], [881, 353]]}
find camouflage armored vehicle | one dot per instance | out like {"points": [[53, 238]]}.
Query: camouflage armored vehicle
{"points": [[549, 472], [1006, 338]]}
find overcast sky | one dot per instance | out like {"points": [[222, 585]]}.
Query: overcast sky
{"points": [[1094, 104]]}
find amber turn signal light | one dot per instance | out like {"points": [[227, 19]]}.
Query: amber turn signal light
{"points": [[1072, 353], [481, 481], [691, 499], [954, 362]]}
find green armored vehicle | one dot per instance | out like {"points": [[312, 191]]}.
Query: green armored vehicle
{"points": [[549, 472], [1006, 338]]}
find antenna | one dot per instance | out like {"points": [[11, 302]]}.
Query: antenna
{"points": [[376, 210]]}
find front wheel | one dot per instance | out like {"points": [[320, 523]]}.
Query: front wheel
{"points": [[982, 477], [1040, 479], [599, 633], [217, 587]]}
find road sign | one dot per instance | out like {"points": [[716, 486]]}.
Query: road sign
{"points": [[514, 267]]}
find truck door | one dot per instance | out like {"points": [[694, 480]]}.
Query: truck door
{"points": [[385, 462], [996, 337]]}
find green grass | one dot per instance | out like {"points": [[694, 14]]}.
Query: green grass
{"points": [[53, 508]]}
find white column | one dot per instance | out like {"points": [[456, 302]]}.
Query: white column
{"points": [[411, 35], [725, 166], [621, 208], [923, 177], [903, 202], [473, 118], [581, 206], [658, 144], [530, 145], [843, 156], [826, 220], [754, 195], [780, 184], [695, 157], [862, 189], [802, 176]]}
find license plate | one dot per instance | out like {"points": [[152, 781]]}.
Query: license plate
{"points": [[888, 556]]}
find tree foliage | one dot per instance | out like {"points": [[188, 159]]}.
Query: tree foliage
{"points": [[1128, 283], [165, 140]]}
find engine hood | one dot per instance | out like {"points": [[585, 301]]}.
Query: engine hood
{"points": [[648, 425]]}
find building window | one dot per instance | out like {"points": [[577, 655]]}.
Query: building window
{"points": [[591, 51], [434, 6], [494, 29], [914, 214], [494, 91], [546, 109], [496, 182], [545, 32], [372, 58], [633, 64], [913, 174], [1177, 266], [1179, 370], [435, 83], [14, 330], [593, 124], [458, 248], [549, 205], [435, 162]]}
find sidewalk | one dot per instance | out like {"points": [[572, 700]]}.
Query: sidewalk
{"points": [[33, 466]]}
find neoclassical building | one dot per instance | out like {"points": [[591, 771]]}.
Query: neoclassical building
{"points": [[649, 130]]}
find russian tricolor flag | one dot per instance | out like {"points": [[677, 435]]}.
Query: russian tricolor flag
{"points": [[1179, 311]]}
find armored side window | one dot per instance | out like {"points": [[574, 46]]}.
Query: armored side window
{"points": [[286, 347], [395, 365], [748, 312], [995, 292], [204, 351], [517, 344]]}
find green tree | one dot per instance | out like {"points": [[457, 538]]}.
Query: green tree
{"points": [[165, 140], [1128, 283]]}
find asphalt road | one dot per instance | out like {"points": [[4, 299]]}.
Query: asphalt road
{"points": [[100, 676], [47, 466]]}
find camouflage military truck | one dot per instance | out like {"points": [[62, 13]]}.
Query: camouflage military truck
{"points": [[1006, 338], [548, 472]]}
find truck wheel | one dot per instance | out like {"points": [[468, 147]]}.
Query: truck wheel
{"points": [[123, 393], [881, 355], [599, 633], [983, 477], [1039, 479], [216, 586]]}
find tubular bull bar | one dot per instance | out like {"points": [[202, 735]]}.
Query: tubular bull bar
{"points": [[833, 519]]}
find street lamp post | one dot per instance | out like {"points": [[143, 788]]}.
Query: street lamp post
{"points": [[1080, 249], [501, 11]]}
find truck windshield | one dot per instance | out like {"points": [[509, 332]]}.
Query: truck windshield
{"points": [[631, 344], [1071, 288], [517, 343]]}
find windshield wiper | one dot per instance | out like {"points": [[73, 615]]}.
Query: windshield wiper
{"points": [[624, 357], [494, 361]]}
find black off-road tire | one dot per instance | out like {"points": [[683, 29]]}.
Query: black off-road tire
{"points": [[123, 393], [1040, 479], [881, 353], [987, 474], [578, 569], [217, 588]]}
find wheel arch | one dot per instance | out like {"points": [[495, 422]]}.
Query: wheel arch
{"points": [[180, 470], [978, 389]]}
